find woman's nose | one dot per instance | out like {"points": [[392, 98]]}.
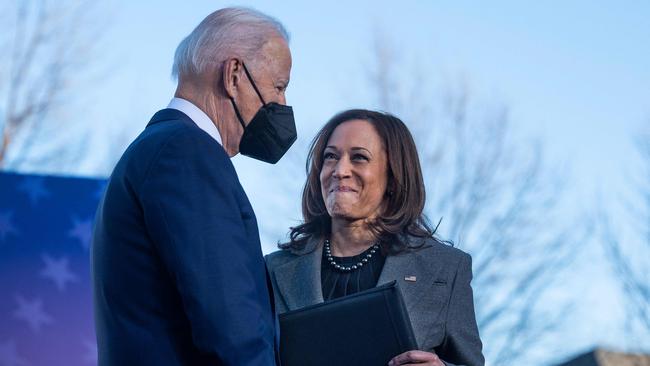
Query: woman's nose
{"points": [[342, 168]]}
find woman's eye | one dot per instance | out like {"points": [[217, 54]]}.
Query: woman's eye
{"points": [[360, 157], [329, 155]]}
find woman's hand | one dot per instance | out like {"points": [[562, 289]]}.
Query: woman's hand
{"points": [[419, 358]]}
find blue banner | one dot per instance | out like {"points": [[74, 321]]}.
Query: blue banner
{"points": [[45, 289]]}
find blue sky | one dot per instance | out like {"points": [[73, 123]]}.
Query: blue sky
{"points": [[574, 74]]}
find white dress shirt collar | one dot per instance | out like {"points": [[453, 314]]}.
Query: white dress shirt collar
{"points": [[197, 116]]}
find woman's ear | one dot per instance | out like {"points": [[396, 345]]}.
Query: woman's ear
{"points": [[231, 76]]}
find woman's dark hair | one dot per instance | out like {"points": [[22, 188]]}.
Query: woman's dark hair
{"points": [[402, 217]]}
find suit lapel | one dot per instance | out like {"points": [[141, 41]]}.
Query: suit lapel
{"points": [[413, 275], [299, 279], [419, 283]]}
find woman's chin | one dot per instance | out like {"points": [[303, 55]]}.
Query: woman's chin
{"points": [[343, 215], [338, 208]]}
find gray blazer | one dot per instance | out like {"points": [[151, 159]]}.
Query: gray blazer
{"points": [[439, 302]]}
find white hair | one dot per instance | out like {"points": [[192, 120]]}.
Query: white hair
{"points": [[229, 32]]}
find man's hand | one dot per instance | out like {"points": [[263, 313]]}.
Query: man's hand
{"points": [[419, 358]]}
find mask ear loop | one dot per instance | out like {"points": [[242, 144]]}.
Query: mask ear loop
{"points": [[241, 120], [232, 100], [248, 74]]}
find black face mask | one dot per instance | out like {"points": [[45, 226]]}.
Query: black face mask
{"points": [[270, 133]]}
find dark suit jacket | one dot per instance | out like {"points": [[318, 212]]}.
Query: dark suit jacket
{"points": [[178, 273], [439, 303]]}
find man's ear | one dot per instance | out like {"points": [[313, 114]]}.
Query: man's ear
{"points": [[231, 76]]}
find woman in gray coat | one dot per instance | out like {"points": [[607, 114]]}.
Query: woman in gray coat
{"points": [[363, 226]]}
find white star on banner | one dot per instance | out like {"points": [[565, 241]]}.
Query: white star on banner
{"points": [[6, 226], [34, 188], [57, 271], [9, 355], [32, 313], [82, 230], [90, 355]]}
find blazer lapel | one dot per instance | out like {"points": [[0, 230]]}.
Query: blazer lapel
{"points": [[419, 283], [299, 279], [413, 276]]}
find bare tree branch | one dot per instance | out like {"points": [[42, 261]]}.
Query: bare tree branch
{"points": [[50, 44], [633, 271]]}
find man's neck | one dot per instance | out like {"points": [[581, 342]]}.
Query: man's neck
{"points": [[213, 106]]}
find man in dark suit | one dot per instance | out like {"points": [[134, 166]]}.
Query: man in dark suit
{"points": [[178, 272]]}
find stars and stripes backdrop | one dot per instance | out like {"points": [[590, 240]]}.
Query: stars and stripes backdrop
{"points": [[45, 289]]}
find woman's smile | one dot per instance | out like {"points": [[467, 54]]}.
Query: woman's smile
{"points": [[343, 189]]}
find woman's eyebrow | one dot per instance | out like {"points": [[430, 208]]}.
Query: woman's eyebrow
{"points": [[361, 148]]}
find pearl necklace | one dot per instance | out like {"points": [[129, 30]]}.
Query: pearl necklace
{"points": [[340, 267]]}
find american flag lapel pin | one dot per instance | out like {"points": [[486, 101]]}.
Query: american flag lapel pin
{"points": [[410, 278]]}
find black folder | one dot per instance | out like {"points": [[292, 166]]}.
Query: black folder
{"points": [[368, 328]]}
